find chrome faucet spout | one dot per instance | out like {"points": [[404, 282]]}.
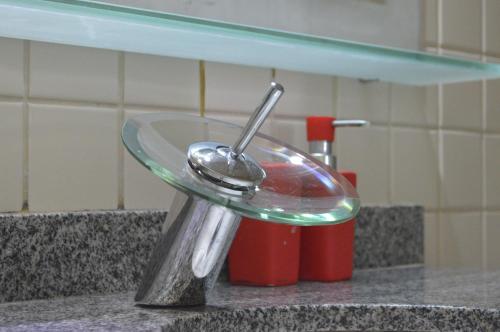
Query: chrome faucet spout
{"points": [[189, 255]]}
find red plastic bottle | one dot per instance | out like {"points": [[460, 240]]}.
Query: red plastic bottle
{"points": [[266, 253], [326, 252]]}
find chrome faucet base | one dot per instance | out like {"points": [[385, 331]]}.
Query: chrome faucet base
{"points": [[194, 242]]}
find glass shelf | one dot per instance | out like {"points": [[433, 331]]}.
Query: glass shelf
{"points": [[94, 24]]}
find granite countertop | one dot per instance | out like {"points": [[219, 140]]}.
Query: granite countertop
{"points": [[397, 298], [47, 255]]}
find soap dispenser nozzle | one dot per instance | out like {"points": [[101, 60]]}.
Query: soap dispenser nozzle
{"points": [[321, 134], [350, 123]]}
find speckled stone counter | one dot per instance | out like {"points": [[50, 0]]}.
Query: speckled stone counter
{"points": [[389, 299], [44, 255]]}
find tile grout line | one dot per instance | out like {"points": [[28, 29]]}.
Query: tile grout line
{"points": [[335, 96], [153, 108], [25, 124], [462, 51], [5, 98], [423, 46], [162, 108], [440, 165], [335, 111], [484, 244], [422, 27], [202, 85], [69, 102], [121, 117], [439, 5], [461, 210], [391, 145], [457, 209], [483, 29], [380, 124]]}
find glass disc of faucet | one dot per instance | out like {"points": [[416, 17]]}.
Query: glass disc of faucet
{"points": [[297, 189]]}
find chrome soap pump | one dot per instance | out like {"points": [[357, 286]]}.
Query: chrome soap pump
{"points": [[321, 135]]}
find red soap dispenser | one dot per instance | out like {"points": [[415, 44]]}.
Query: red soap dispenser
{"points": [[265, 253], [326, 252]]}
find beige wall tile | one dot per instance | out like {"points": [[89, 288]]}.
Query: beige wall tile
{"points": [[11, 162], [361, 100], [430, 22], [492, 160], [11, 67], [492, 13], [462, 170], [431, 239], [164, 81], [414, 171], [493, 106], [290, 131], [414, 105], [238, 119], [144, 190], [306, 94], [233, 88], [492, 243], [460, 239], [73, 73], [462, 106], [241, 120], [73, 154], [462, 24], [366, 151], [141, 188]]}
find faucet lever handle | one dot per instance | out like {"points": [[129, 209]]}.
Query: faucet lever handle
{"points": [[259, 115]]}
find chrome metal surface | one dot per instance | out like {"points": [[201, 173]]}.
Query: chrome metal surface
{"points": [[214, 162], [350, 123], [322, 151], [259, 115], [187, 259], [320, 147]]}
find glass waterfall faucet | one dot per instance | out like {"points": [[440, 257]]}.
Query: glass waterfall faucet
{"points": [[217, 169]]}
